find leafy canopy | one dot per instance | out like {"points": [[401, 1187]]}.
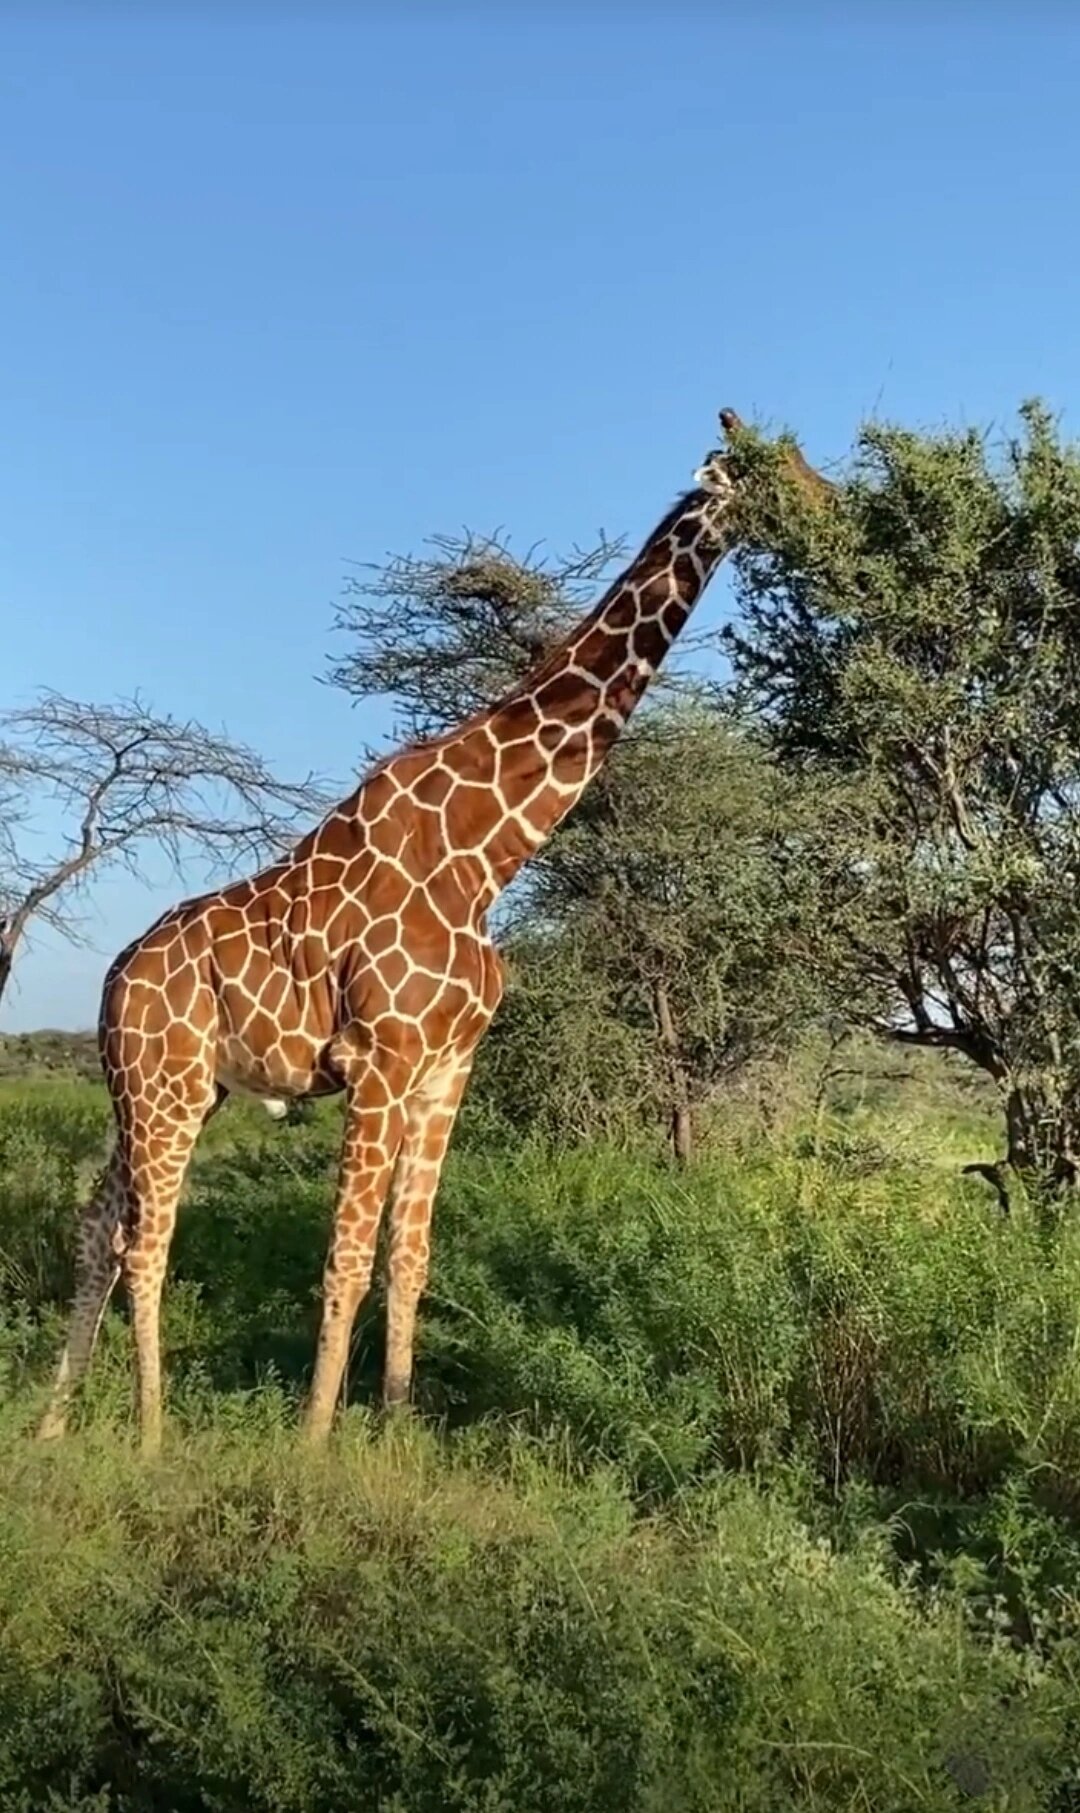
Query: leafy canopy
{"points": [[914, 649]]}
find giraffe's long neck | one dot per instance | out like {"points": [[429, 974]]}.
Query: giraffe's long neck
{"points": [[552, 732]]}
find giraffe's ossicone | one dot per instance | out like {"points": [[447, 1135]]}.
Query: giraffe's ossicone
{"points": [[362, 962]]}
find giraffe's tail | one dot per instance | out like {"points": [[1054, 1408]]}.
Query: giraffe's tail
{"points": [[100, 1244]]}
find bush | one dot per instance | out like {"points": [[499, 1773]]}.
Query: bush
{"points": [[751, 1487], [396, 1629], [882, 1323]]}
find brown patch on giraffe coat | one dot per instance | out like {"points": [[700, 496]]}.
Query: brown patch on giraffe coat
{"points": [[685, 573], [474, 812], [445, 893], [475, 758], [417, 995], [425, 844], [568, 697], [381, 935], [407, 766], [390, 836], [275, 984], [295, 1053], [393, 968], [377, 792], [326, 869], [603, 655], [521, 721], [433, 786], [654, 597], [574, 753], [622, 613], [687, 532], [387, 890], [429, 936], [648, 643], [542, 809], [343, 922]]}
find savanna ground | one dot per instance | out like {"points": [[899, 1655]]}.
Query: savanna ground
{"points": [[752, 1488]]}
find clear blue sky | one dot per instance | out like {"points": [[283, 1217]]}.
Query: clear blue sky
{"points": [[289, 287]]}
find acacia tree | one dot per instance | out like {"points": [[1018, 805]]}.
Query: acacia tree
{"points": [[914, 648], [124, 780], [443, 634], [646, 938], [671, 901]]}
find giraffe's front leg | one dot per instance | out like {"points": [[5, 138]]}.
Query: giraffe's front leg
{"points": [[374, 1123], [431, 1115]]}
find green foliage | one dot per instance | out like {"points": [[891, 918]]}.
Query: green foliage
{"points": [[48, 1052], [844, 1303], [912, 647], [402, 1628], [650, 958], [751, 1487]]}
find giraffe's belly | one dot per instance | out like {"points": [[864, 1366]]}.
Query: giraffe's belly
{"points": [[276, 1101], [272, 1075]]}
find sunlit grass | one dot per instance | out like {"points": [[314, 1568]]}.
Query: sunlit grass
{"points": [[753, 1488]]}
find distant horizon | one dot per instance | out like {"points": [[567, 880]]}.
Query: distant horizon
{"points": [[303, 294], [58, 1032]]}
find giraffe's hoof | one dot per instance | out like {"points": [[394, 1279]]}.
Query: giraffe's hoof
{"points": [[50, 1429]]}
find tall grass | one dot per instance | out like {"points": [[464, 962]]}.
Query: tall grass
{"points": [[751, 1489]]}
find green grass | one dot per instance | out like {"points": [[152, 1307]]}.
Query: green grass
{"points": [[756, 1488]]}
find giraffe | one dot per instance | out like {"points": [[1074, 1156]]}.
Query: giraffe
{"points": [[362, 963]]}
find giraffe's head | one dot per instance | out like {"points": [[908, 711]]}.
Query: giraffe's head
{"points": [[714, 475], [717, 480], [714, 483], [718, 466]]}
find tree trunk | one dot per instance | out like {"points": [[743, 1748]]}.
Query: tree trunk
{"points": [[1042, 1131], [1041, 1143], [682, 1132], [1021, 1145], [7, 963]]}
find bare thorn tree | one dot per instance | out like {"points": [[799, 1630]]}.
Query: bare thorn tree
{"points": [[446, 633], [443, 634], [125, 781]]}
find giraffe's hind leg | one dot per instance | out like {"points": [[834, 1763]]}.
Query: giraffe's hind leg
{"points": [[159, 1145], [127, 1228]]}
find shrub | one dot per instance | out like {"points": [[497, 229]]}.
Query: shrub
{"points": [[395, 1629]]}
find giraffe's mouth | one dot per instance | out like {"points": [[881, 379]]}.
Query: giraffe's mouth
{"points": [[714, 477]]}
